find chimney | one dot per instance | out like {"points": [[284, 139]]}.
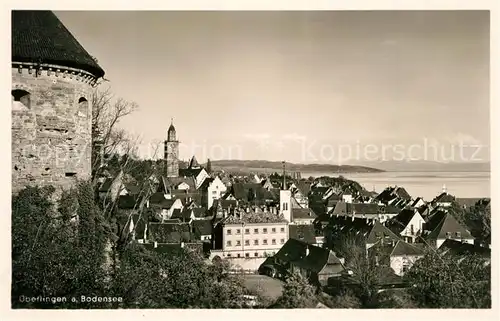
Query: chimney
{"points": [[156, 244]]}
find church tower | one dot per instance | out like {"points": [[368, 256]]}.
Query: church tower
{"points": [[171, 157]]}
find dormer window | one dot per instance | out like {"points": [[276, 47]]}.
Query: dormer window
{"points": [[448, 235], [458, 234]]}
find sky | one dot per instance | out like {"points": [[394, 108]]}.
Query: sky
{"points": [[297, 86]]}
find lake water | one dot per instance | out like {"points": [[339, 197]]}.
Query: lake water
{"points": [[424, 184]]}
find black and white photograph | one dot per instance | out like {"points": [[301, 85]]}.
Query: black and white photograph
{"points": [[262, 159]]}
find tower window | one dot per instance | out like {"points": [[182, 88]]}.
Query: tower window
{"points": [[21, 98], [83, 106]]}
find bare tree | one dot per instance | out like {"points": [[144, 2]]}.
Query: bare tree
{"points": [[107, 138]]}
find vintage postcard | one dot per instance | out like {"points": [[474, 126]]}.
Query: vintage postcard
{"points": [[305, 159]]}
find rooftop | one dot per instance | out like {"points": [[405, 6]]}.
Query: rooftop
{"points": [[40, 37]]}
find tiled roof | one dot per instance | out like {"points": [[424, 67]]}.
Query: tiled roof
{"points": [[304, 233], [303, 213], [171, 183], [415, 202], [193, 163], [402, 248], [402, 193], [189, 172], [461, 248], [39, 36], [444, 198], [169, 233], [202, 227], [443, 223], [399, 222]]}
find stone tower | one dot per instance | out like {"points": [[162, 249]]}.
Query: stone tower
{"points": [[52, 80], [171, 153]]}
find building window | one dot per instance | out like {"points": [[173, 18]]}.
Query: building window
{"points": [[273, 230], [228, 243], [282, 230], [256, 254], [20, 98], [247, 231], [83, 106], [238, 243], [239, 255], [448, 235], [228, 232], [458, 234], [255, 242], [282, 241], [256, 231], [264, 230], [264, 242], [228, 254], [247, 242], [238, 231], [273, 242], [247, 254]]}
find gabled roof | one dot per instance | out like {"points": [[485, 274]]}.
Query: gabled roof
{"points": [[38, 36], [379, 231], [193, 163], [400, 221], [444, 198], [402, 248], [415, 202], [292, 250], [171, 183], [402, 193], [317, 259], [442, 224]]}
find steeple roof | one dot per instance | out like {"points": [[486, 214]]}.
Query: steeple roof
{"points": [[40, 37], [193, 163]]}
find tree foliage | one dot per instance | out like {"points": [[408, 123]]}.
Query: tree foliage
{"points": [[297, 294], [57, 249], [62, 249], [450, 282]]}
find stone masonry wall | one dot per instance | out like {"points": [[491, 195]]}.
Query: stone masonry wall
{"points": [[172, 158], [51, 137]]}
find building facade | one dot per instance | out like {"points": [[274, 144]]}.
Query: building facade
{"points": [[252, 240], [52, 81]]}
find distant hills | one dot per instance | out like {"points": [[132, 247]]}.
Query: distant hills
{"points": [[263, 166], [428, 166]]}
